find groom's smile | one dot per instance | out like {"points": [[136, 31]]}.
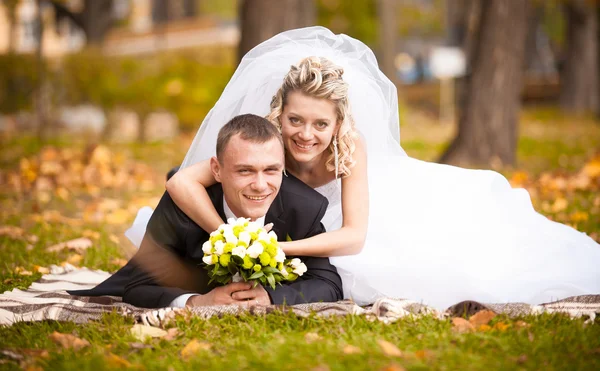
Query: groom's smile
{"points": [[250, 174]]}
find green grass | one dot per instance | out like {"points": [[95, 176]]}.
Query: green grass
{"points": [[278, 341], [548, 143]]}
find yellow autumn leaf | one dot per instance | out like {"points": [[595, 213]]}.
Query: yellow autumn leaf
{"points": [[42, 270], [501, 326], [559, 205], [62, 193], [592, 167], [351, 349], [579, 216], [74, 259], [118, 217], [22, 271], [311, 337], [114, 361], [68, 341], [389, 349], [194, 347], [141, 332]]}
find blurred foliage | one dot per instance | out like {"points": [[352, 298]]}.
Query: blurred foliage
{"points": [[19, 77], [178, 82], [354, 18], [224, 9]]}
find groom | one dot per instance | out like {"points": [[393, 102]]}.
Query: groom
{"points": [[167, 270]]}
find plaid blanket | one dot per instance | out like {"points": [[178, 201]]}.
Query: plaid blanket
{"points": [[47, 299]]}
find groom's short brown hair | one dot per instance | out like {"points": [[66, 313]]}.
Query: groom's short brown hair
{"points": [[250, 127]]}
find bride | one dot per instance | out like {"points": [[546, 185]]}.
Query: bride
{"points": [[436, 234]]}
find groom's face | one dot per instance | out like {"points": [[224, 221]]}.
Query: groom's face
{"points": [[250, 174]]}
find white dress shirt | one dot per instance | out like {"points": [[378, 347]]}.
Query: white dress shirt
{"points": [[179, 302]]}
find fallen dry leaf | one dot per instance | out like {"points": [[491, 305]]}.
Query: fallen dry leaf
{"points": [[559, 205], [74, 259], [68, 341], [501, 326], [22, 271], [461, 325], [393, 367], [118, 217], [78, 245], [11, 231], [423, 354], [389, 349], [482, 317], [522, 324], [172, 333], [42, 270], [91, 234], [311, 337], [115, 361], [484, 328], [351, 349], [193, 347], [142, 332]]}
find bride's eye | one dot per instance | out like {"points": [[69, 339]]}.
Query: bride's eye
{"points": [[294, 120], [322, 125]]}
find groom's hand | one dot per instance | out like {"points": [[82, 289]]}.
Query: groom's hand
{"points": [[255, 296], [222, 295]]}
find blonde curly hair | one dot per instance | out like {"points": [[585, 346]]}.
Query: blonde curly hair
{"points": [[318, 77]]}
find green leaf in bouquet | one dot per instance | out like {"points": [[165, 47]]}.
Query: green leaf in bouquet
{"points": [[222, 271], [233, 268], [256, 275], [263, 280], [237, 260], [270, 270], [244, 274], [271, 280]]}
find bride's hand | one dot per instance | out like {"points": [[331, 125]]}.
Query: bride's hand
{"points": [[268, 227]]}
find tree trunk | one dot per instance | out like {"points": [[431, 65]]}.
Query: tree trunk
{"points": [[579, 78], [387, 37], [487, 129], [262, 19], [97, 20], [40, 98], [11, 10]]}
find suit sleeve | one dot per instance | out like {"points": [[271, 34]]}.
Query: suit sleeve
{"points": [[160, 274], [321, 282]]}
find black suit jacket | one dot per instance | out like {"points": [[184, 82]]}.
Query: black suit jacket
{"points": [[169, 262]]}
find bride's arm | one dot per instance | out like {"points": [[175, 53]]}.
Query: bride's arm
{"points": [[350, 239], [188, 189]]}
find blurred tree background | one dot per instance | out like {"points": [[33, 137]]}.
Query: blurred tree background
{"points": [[108, 67]]}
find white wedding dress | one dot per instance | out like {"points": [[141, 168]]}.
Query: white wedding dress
{"points": [[437, 234], [441, 234]]}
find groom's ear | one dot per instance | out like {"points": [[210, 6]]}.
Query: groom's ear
{"points": [[215, 168]]}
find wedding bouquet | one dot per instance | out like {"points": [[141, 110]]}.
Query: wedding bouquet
{"points": [[242, 250]]}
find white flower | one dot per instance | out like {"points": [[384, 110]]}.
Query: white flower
{"points": [[263, 236], [272, 235], [207, 247], [245, 237], [255, 250], [300, 269], [295, 262], [241, 221], [284, 272], [219, 245], [223, 228], [231, 221], [207, 259], [252, 227], [239, 251], [214, 233], [280, 257], [230, 237]]}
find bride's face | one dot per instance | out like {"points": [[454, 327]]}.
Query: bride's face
{"points": [[307, 126]]}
